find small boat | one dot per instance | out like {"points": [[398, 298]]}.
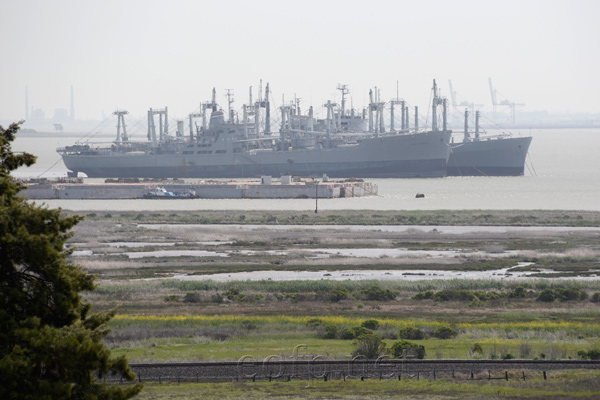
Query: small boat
{"points": [[162, 193]]}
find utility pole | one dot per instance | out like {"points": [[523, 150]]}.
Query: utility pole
{"points": [[316, 197]]}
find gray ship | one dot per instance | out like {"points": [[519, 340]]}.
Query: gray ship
{"points": [[500, 155], [225, 148]]}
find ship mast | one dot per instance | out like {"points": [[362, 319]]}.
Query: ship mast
{"points": [[268, 111], [467, 137], [477, 115], [214, 100], [163, 125], [371, 108], [191, 117], [230, 101], [121, 122], [436, 102], [434, 108], [345, 91], [392, 105], [416, 119], [330, 119]]}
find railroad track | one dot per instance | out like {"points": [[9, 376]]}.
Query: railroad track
{"points": [[274, 368]]}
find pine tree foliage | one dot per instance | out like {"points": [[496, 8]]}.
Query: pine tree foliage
{"points": [[50, 348]]}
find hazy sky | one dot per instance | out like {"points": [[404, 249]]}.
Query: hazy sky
{"points": [[139, 54]]}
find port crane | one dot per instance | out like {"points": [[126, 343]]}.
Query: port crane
{"points": [[456, 104], [510, 104]]}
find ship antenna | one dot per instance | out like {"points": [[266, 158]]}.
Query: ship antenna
{"points": [[345, 91], [434, 108]]}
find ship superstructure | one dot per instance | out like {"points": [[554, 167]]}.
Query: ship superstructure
{"points": [[225, 148]]}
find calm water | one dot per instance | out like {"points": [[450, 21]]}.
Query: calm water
{"points": [[562, 172]]}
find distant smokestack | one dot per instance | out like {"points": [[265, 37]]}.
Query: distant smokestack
{"points": [[26, 104], [72, 105]]}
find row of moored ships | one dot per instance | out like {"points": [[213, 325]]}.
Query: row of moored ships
{"points": [[343, 145]]}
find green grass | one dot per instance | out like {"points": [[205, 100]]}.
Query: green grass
{"points": [[560, 385], [188, 349], [231, 337], [204, 349]]}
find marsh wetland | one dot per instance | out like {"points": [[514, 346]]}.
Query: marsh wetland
{"points": [[216, 285]]}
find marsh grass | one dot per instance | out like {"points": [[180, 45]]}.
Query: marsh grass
{"points": [[367, 217], [400, 286], [219, 336]]}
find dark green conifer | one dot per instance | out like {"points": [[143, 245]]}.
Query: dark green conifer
{"points": [[50, 347]]}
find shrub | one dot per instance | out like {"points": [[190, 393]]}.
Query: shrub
{"points": [[445, 332], [441, 296], [172, 297], [331, 332], [589, 355], [377, 293], [347, 334], [232, 293], [410, 333], [193, 297], [518, 292], [507, 356], [368, 345], [399, 347], [423, 296], [546, 295], [595, 298], [372, 324], [571, 294], [594, 354], [339, 293], [477, 349], [355, 332], [314, 322]]}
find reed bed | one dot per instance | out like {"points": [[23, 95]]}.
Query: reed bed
{"points": [[326, 285]]}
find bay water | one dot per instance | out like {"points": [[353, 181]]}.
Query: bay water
{"points": [[562, 172]]}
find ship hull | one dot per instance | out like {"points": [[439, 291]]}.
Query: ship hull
{"points": [[499, 157], [394, 156]]}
